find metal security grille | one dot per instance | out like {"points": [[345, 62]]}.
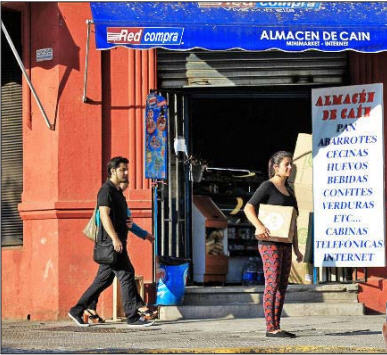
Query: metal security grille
{"points": [[175, 197], [201, 68], [11, 134]]}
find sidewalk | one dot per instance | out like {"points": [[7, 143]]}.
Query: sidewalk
{"points": [[339, 334]]}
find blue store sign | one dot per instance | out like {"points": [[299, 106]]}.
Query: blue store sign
{"points": [[288, 26]]}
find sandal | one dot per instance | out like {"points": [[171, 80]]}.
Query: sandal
{"points": [[95, 318], [148, 314]]}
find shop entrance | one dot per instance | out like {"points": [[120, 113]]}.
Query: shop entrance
{"points": [[234, 135], [230, 133], [242, 131]]}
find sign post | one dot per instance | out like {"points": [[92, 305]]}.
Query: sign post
{"points": [[156, 140], [156, 118], [348, 176]]}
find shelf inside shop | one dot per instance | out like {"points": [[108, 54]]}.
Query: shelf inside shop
{"points": [[245, 225], [244, 253], [230, 195]]}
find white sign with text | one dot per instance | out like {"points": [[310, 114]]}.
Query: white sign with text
{"points": [[348, 176], [44, 54]]}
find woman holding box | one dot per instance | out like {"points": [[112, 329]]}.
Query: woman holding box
{"points": [[276, 256]]}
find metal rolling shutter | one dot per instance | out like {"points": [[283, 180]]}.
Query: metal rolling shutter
{"points": [[201, 68], [11, 136]]}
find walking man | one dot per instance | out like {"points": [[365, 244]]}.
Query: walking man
{"points": [[115, 223]]}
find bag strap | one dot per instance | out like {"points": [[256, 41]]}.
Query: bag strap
{"points": [[94, 216]]}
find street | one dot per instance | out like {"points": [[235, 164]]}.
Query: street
{"points": [[317, 334]]}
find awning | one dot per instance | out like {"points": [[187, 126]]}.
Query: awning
{"points": [[288, 26]]}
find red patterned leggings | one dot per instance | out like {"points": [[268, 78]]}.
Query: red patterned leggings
{"points": [[277, 261]]}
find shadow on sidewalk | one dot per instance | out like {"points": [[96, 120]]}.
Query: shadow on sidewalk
{"points": [[355, 332]]}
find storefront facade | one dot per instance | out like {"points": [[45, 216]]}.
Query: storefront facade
{"points": [[46, 270], [63, 168]]}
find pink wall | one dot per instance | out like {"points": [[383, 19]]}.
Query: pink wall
{"points": [[64, 168]]}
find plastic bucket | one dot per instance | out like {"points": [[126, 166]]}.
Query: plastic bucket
{"points": [[171, 285]]}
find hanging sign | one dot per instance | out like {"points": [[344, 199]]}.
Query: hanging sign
{"points": [[156, 118], [44, 54], [251, 25], [348, 176]]}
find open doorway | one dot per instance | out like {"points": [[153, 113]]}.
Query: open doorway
{"points": [[233, 137], [244, 132], [234, 109]]}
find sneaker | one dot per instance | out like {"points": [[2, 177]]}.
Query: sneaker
{"points": [[290, 335], [281, 334], [140, 323], [77, 319]]}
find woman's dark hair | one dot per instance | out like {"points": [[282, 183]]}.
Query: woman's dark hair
{"points": [[276, 159], [114, 163]]}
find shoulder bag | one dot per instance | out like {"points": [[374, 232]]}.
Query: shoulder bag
{"points": [[91, 229], [104, 252]]}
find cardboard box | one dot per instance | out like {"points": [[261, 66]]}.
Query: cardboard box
{"points": [[280, 220], [302, 273], [304, 196], [303, 221], [302, 160]]}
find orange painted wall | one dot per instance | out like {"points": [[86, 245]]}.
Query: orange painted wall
{"points": [[368, 69], [373, 294], [30, 274], [64, 168]]}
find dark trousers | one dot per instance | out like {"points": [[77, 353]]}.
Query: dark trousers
{"points": [[124, 271], [277, 262]]}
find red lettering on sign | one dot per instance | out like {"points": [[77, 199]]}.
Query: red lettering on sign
{"points": [[124, 35]]}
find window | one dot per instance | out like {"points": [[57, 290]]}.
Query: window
{"points": [[11, 133]]}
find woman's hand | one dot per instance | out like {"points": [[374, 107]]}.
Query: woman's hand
{"points": [[129, 222], [150, 237], [262, 232], [299, 255]]}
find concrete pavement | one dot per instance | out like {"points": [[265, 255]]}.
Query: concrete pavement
{"points": [[315, 334]]}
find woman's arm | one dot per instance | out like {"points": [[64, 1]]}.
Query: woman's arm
{"points": [[260, 196], [138, 231], [295, 245], [141, 233], [251, 215]]}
